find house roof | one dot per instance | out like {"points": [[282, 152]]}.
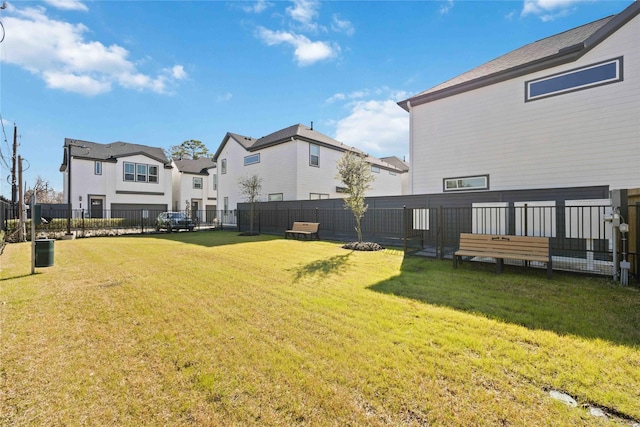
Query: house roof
{"points": [[199, 166], [110, 152], [548, 52], [299, 132], [397, 162]]}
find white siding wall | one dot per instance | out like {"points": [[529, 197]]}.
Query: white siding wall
{"points": [[284, 168], [320, 179], [234, 154], [386, 184], [85, 182], [176, 186], [277, 168], [589, 137]]}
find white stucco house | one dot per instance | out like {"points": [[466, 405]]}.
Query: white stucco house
{"points": [[295, 163], [195, 186], [107, 180], [560, 112]]}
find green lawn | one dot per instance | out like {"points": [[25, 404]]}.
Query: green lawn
{"points": [[211, 328]]}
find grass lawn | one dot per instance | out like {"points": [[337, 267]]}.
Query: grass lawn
{"points": [[211, 328]]}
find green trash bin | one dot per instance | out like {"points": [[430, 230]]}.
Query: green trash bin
{"points": [[44, 252]]}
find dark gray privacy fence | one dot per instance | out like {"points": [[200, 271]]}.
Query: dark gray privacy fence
{"points": [[582, 236]]}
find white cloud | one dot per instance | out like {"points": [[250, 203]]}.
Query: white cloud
{"points": [[549, 10], [68, 5], [258, 7], [57, 52], [359, 94], [342, 26], [446, 7], [306, 51], [85, 85], [302, 19], [224, 97], [378, 127], [178, 73], [304, 12]]}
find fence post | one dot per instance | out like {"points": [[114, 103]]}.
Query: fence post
{"points": [[440, 254], [404, 227]]}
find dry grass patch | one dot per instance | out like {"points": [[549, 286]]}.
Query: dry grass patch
{"points": [[216, 329]]}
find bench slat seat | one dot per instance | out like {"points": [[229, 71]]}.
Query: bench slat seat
{"points": [[500, 247], [307, 229]]}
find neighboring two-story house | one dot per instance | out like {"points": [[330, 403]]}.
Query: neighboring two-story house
{"points": [[195, 187], [109, 180], [562, 112], [295, 163]]}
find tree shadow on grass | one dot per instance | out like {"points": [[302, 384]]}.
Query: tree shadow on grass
{"points": [[208, 238], [569, 304], [322, 267]]}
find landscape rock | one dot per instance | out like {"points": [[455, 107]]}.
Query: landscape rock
{"points": [[597, 412], [563, 397]]}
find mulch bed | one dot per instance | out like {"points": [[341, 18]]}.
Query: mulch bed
{"points": [[363, 246]]}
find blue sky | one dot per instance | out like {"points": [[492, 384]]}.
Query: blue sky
{"points": [[161, 72]]}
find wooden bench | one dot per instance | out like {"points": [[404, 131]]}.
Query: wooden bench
{"points": [[307, 229], [524, 248]]}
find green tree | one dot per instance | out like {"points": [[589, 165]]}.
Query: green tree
{"points": [[191, 149], [250, 187], [355, 174]]}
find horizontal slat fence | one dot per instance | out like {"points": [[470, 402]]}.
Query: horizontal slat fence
{"points": [[581, 237]]}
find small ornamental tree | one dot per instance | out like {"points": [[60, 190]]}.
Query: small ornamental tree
{"points": [[355, 173], [250, 187], [191, 149]]}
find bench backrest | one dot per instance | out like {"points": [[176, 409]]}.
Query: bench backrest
{"points": [[309, 227], [524, 245]]}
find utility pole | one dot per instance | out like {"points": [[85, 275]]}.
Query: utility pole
{"points": [[14, 187], [21, 234]]}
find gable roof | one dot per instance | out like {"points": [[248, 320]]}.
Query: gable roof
{"points": [[549, 52], [299, 131], [110, 152], [199, 166], [302, 133], [397, 162]]}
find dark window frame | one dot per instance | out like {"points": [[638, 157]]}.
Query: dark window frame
{"points": [[445, 189], [586, 77]]}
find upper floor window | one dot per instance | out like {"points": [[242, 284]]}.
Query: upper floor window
{"points": [[215, 181], [254, 158], [197, 182], [318, 196], [129, 171], [275, 197], [467, 183], [140, 172], [314, 155], [573, 80], [223, 166], [375, 169], [153, 173], [97, 168]]}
